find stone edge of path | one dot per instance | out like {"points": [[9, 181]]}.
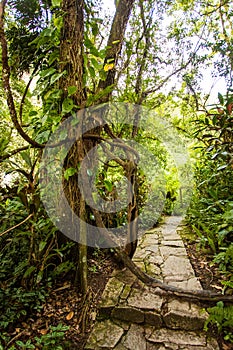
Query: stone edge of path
{"points": [[127, 301]]}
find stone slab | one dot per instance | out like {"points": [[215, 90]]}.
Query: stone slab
{"points": [[184, 315], [171, 243], [189, 284], [129, 314], [134, 339], [180, 338], [111, 294], [153, 319], [177, 266], [155, 259], [145, 300], [125, 276], [166, 251], [153, 270], [149, 240], [105, 334], [171, 236]]}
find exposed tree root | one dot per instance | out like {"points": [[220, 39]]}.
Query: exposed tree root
{"points": [[159, 287]]}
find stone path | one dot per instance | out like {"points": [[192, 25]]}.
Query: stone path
{"points": [[131, 316]]}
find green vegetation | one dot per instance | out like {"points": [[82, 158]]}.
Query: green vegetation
{"points": [[58, 58]]}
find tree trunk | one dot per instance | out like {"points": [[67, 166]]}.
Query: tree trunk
{"points": [[71, 49], [71, 61]]}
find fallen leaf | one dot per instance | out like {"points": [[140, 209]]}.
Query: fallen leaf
{"points": [[70, 315], [43, 331]]}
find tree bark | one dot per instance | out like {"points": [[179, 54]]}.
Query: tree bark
{"points": [[115, 43], [71, 49], [71, 61]]}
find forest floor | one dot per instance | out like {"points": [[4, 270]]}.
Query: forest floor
{"points": [[65, 304]]}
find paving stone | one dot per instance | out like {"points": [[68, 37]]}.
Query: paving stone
{"points": [[177, 266], [125, 276], [155, 259], [153, 249], [120, 347], [167, 251], [171, 243], [153, 270], [134, 339], [124, 325], [184, 315], [126, 291], [128, 314], [212, 345], [141, 265], [149, 240], [145, 300], [153, 318], [104, 335], [190, 284], [139, 254], [180, 338], [171, 236], [155, 347], [111, 293], [175, 278]]}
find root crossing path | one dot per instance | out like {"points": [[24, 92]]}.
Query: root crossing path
{"points": [[131, 316]]}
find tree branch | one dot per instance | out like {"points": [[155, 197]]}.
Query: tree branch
{"points": [[115, 42], [9, 155], [12, 228], [6, 81]]}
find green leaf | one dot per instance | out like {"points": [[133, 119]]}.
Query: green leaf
{"points": [[220, 98], [43, 136], [108, 185], [29, 271], [26, 158], [58, 22], [69, 172], [47, 72], [88, 43], [39, 277], [56, 3], [42, 245], [20, 343], [72, 90], [95, 64], [33, 113], [92, 72], [67, 105], [103, 75], [56, 76]]}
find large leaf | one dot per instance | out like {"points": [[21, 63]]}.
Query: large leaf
{"points": [[47, 72], [69, 172], [67, 105], [26, 158]]}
